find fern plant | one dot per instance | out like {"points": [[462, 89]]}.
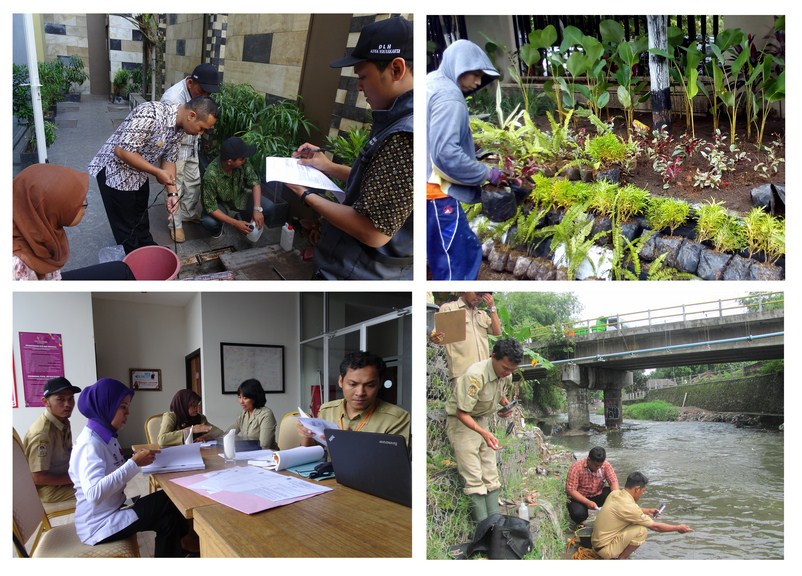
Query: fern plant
{"points": [[574, 233]]}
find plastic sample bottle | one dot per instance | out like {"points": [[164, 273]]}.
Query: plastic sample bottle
{"points": [[287, 236]]}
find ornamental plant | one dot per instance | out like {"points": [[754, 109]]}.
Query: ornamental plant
{"points": [[666, 213]]}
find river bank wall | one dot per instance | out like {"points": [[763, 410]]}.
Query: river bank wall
{"points": [[763, 394]]}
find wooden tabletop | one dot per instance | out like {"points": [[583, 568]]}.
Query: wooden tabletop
{"points": [[340, 523], [187, 500]]}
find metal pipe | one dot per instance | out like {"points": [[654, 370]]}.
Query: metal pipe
{"points": [[672, 347], [36, 93]]}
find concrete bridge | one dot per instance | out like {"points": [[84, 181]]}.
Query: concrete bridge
{"points": [[605, 358]]}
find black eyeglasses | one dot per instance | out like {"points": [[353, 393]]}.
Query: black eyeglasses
{"points": [[85, 205]]}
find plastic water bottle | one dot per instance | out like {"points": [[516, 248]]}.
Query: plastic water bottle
{"points": [[523, 511], [229, 445], [287, 236]]}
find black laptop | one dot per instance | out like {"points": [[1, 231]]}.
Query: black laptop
{"points": [[374, 463]]}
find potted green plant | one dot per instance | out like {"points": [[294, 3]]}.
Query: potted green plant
{"points": [[30, 155], [119, 85], [75, 75]]}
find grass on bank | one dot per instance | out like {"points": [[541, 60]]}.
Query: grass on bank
{"points": [[523, 470], [659, 410]]}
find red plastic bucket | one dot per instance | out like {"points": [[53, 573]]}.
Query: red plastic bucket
{"points": [[153, 263]]}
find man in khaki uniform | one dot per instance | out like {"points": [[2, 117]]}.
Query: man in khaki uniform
{"points": [[620, 527], [473, 399], [48, 442], [478, 324], [360, 409]]}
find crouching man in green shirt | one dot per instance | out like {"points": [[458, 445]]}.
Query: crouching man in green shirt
{"points": [[231, 191]]}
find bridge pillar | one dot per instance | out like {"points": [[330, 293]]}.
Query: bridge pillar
{"points": [[613, 407], [578, 379], [577, 397], [578, 415]]}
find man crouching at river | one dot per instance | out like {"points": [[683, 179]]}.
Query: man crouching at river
{"points": [[620, 527]]}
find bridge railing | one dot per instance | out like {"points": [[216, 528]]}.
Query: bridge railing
{"points": [[710, 309]]}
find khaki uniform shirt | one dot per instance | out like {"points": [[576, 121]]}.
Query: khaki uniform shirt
{"points": [[619, 511], [171, 435], [386, 418], [478, 391], [259, 425], [475, 347], [48, 444]]}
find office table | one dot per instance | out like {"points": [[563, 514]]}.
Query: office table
{"points": [[340, 523]]}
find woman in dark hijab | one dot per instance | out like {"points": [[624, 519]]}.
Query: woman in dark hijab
{"points": [[47, 199], [100, 473], [185, 418]]}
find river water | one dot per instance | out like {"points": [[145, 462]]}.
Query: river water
{"points": [[726, 483]]}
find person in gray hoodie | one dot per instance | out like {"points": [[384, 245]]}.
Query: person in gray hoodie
{"points": [[453, 174]]}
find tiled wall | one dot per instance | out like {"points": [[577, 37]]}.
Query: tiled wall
{"points": [[65, 35], [125, 45]]}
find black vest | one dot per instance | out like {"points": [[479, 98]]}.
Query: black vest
{"points": [[339, 256]]}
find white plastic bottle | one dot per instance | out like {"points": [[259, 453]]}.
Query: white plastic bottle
{"points": [[523, 511], [287, 236]]}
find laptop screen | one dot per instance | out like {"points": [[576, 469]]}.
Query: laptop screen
{"points": [[374, 463]]}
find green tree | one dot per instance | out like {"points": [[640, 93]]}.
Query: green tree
{"points": [[762, 301]]}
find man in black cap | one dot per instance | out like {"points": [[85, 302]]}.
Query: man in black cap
{"points": [[231, 191], [203, 81], [369, 235], [48, 442]]}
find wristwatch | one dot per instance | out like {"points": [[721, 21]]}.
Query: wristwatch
{"points": [[172, 194], [258, 208], [305, 194], [492, 309]]}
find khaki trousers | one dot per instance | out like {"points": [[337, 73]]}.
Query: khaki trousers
{"points": [[634, 534], [476, 461], [188, 184]]}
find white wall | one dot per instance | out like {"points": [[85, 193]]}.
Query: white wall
{"points": [[249, 318], [133, 335], [65, 313]]}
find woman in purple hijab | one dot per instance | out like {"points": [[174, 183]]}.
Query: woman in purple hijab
{"points": [[100, 473]]}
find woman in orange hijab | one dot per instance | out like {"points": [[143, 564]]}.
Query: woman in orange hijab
{"points": [[48, 198]]}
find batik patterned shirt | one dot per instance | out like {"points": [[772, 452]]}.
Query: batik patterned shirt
{"points": [[386, 192], [150, 131]]}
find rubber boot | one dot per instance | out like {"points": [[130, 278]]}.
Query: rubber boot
{"points": [[491, 502], [478, 507]]}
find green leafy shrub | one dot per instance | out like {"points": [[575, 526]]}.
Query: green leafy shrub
{"points": [[346, 147], [658, 410], [762, 232], [606, 149], [710, 216], [667, 213]]}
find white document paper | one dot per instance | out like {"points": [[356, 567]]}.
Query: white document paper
{"points": [[317, 425], [259, 482], [253, 455], [293, 457], [288, 170], [176, 458]]}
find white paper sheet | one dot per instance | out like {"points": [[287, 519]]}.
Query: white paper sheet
{"points": [[288, 170], [317, 425], [176, 458]]}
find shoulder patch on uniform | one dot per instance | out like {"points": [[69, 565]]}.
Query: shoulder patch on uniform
{"points": [[42, 451], [473, 387]]}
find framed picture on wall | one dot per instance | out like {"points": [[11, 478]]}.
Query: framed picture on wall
{"points": [[145, 378], [239, 362]]}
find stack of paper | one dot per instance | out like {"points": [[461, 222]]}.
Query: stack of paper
{"points": [[175, 459]]}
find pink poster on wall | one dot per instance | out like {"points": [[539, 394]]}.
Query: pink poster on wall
{"points": [[42, 358]]}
